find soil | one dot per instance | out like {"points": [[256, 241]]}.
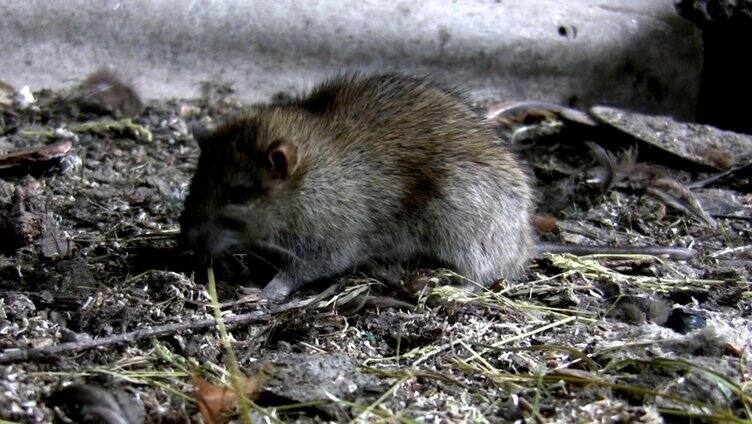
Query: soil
{"points": [[89, 251]]}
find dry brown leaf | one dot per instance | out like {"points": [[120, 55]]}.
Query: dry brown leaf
{"points": [[217, 401], [733, 349], [623, 169], [675, 194], [544, 223], [33, 155], [504, 113], [214, 400]]}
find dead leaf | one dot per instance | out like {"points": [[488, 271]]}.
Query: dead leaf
{"points": [[675, 194], [624, 170], [544, 223], [35, 155], [217, 401], [616, 167], [733, 349], [214, 401], [530, 120], [502, 113]]}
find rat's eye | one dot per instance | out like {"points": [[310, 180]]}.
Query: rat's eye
{"points": [[238, 194]]}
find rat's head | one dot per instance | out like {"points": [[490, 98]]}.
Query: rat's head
{"points": [[243, 187]]}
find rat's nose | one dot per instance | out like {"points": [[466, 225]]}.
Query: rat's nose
{"points": [[195, 239], [209, 239]]}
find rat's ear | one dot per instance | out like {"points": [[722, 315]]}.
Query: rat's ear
{"points": [[283, 157], [201, 134]]}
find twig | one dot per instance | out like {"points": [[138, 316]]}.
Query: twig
{"points": [[20, 355], [728, 250], [546, 289], [732, 174]]}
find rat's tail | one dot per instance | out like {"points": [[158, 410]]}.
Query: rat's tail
{"points": [[681, 253]]}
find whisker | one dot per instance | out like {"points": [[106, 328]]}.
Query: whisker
{"points": [[95, 90]]}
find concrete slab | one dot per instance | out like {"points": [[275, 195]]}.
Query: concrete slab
{"points": [[639, 54]]}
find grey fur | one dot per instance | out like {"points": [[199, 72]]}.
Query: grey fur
{"points": [[390, 168]]}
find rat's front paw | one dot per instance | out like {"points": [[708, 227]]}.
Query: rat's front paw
{"points": [[278, 289], [251, 291]]}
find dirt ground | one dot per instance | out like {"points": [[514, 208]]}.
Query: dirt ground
{"points": [[88, 250]]}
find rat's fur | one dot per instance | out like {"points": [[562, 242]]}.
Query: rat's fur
{"points": [[365, 168], [105, 91]]}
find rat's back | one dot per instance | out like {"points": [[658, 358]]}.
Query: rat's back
{"points": [[431, 178]]}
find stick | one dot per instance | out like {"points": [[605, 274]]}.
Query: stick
{"points": [[20, 355]]}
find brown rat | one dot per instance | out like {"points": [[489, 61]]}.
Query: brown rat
{"points": [[105, 91], [365, 168]]}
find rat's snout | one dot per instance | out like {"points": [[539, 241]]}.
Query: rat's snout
{"points": [[194, 238], [208, 238]]}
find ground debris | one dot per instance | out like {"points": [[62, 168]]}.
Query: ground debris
{"points": [[300, 378], [100, 275]]}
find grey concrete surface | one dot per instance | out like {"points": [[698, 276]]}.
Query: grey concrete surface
{"points": [[638, 54]]}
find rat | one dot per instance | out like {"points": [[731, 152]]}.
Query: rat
{"points": [[364, 169], [105, 91]]}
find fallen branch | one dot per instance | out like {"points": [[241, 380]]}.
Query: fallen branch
{"points": [[20, 355]]}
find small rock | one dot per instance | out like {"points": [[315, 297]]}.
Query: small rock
{"points": [[64, 134], [310, 377], [178, 126], [18, 306], [6, 94], [69, 163], [188, 111], [23, 98]]}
